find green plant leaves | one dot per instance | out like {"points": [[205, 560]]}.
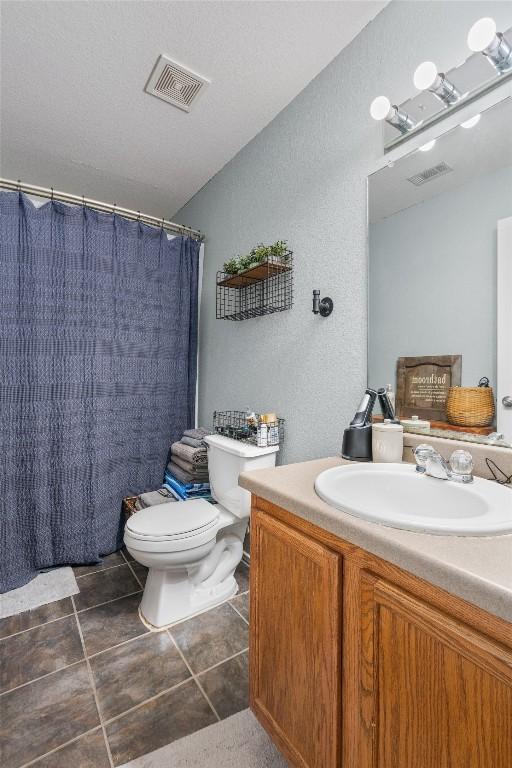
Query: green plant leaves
{"points": [[260, 254]]}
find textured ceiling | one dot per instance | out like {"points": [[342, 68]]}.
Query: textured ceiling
{"points": [[74, 114]]}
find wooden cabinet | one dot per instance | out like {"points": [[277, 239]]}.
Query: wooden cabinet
{"points": [[358, 664], [295, 663], [434, 693]]}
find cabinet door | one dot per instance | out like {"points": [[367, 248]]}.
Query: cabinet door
{"points": [[434, 692], [295, 653]]}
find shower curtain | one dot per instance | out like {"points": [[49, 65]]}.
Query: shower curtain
{"points": [[98, 343]]}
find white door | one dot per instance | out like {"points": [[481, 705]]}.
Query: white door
{"points": [[504, 394]]}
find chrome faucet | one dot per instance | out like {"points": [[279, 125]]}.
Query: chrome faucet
{"points": [[431, 463]]}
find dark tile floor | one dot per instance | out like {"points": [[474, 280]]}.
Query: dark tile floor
{"points": [[83, 682]]}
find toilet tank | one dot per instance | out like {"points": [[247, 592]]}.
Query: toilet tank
{"points": [[227, 458]]}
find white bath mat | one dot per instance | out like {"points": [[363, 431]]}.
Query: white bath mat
{"points": [[237, 742], [45, 588]]}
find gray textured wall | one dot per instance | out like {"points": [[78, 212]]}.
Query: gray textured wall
{"points": [[303, 178], [433, 280]]}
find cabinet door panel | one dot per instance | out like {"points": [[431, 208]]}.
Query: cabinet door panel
{"points": [[295, 650], [440, 693]]}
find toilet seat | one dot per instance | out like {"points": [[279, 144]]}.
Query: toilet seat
{"points": [[173, 521]]}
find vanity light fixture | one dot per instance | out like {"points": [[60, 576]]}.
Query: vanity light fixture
{"points": [[427, 78], [382, 109], [428, 146], [483, 38], [471, 122]]}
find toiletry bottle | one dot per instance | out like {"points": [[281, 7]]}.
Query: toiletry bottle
{"points": [[391, 396], [273, 433], [262, 437]]}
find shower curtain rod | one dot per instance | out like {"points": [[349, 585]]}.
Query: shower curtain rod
{"points": [[64, 197]]}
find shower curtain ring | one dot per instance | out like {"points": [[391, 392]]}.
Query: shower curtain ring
{"points": [[52, 193], [83, 201], [19, 185]]}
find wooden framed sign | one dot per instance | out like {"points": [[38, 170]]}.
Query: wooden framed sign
{"points": [[423, 384]]}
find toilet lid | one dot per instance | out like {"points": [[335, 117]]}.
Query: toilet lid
{"points": [[173, 520]]}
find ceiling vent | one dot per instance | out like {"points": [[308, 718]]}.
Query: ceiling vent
{"points": [[430, 173], [175, 84]]}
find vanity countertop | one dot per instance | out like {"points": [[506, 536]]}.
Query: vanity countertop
{"points": [[477, 569]]}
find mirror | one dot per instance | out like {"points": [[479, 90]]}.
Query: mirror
{"points": [[440, 241]]}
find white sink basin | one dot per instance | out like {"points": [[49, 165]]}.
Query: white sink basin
{"points": [[398, 496]]}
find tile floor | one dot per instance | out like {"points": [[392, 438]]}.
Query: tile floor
{"points": [[83, 682]]}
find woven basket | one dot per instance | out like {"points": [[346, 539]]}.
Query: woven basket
{"points": [[128, 506], [470, 406]]}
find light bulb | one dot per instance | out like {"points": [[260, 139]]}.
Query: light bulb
{"points": [[483, 38], [428, 146], [427, 78], [425, 75], [380, 108], [481, 34], [471, 122]]}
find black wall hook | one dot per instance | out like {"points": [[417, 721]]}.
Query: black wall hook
{"points": [[322, 307]]}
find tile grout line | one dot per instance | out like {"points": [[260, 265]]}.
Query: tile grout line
{"points": [[71, 613], [147, 633], [73, 663], [100, 570], [41, 677], [237, 611], [128, 563], [194, 677], [93, 686], [113, 600], [36, 626], [112, 647], [220, 663], [146, 701], [61, 746]]}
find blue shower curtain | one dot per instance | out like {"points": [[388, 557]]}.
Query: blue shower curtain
{"points": [[98, 344]]}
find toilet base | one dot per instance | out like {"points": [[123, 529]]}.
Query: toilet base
{"points": [[168, 599], [206, 607]]}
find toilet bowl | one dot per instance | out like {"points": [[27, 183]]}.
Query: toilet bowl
{"points": [[192, 548]]}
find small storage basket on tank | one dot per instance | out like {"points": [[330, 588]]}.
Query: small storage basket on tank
{"points": [[235, 424], [261, 289]]}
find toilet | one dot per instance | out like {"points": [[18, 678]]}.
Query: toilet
{"points": [[192, 548]]}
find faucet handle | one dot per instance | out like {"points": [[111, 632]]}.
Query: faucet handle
{"points": [[461, 463], [422, 454]]}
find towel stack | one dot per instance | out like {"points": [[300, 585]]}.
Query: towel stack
{"points": [[186, 474]]}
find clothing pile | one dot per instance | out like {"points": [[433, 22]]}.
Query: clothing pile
{"points": [[186, 474]]}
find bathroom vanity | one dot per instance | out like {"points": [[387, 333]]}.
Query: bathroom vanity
{"points": [[373, 647]]}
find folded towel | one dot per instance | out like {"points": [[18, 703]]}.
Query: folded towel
{"points": [[198, 433], [177, 489], [187, 453], [152, 498], [194, 474], [176, 494], [193, 442], [183, 478]]}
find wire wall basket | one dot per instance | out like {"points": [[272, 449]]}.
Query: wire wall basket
{"points": [[235, 424], [262, 289]]}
